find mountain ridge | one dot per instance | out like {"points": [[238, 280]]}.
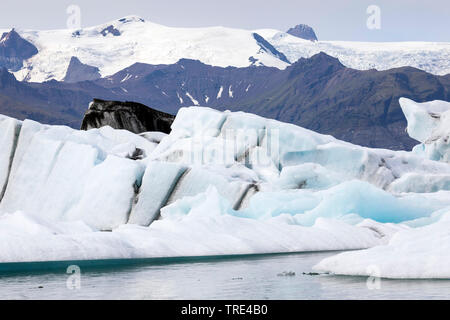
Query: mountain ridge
{"points": [[318, 93], [117, 44]]}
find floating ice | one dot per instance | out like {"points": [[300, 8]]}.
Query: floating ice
{"points": [[221, 183], [429, 123], [9, 129], [411, 254], [63, 174]]}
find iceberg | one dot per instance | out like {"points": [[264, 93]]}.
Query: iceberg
{"points": [[10, 129], [67, 175], [420, 253], [221, 183], [429, 123]]}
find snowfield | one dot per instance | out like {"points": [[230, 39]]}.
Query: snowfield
{"points": [[221, 183], [117, 45], [433, 57], [139, 41]]}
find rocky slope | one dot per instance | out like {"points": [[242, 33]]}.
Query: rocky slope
{"points": [[78, 71], [14, 50], [303, 31], [318, 93]]}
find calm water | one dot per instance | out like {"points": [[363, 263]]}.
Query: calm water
{"points": [[243, 278]]}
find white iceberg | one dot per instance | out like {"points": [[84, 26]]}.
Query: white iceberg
{"points": [[429, 123], [221, 183], [420, 253]]}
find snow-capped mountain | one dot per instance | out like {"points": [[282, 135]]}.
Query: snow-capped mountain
{"points": [[113, 46], [433, 57]]}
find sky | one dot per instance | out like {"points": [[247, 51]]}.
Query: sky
{"points": [[400, 20]]}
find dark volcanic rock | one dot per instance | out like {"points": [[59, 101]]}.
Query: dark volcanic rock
{"points": [[14, 50], [78, 71], [6, 79], [303, 31], [267, 47], [110, 30], [131, 116]]}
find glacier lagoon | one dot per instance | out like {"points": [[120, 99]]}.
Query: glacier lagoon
{"points": [[252, 277], [75, 195]]}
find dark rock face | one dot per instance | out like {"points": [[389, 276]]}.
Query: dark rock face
{"points": [[267, 47], [110, 30], [303, 31], [78, 71], [14, 50], [131, 116], [6, 79]]}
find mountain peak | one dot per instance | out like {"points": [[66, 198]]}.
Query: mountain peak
{"points": [[319, 64], [14, 49], [78, 71], [9, 36], [12, 42], [189, 61], [303, 31]]}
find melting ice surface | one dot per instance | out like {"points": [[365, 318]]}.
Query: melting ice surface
{"points": [[222, 183]]}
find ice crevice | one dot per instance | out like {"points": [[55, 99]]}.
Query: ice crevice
{"points": [[9, 146]]}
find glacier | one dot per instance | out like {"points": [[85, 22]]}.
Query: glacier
{"points": [[136, 40], [116, 45], [221, 183], [433, 57]]}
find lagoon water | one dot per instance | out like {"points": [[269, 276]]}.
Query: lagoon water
{"points": [[257, 277]]}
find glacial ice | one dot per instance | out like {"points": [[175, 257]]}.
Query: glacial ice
{"points": [[63, 174], [429, 123], [10, 130], [418, 253], [220, 183], [159, 180]]}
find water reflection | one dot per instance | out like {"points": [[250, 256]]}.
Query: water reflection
{"points": [[245, 278]]}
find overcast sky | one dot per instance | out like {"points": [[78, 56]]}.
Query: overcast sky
{"points": [[401, 20]]}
